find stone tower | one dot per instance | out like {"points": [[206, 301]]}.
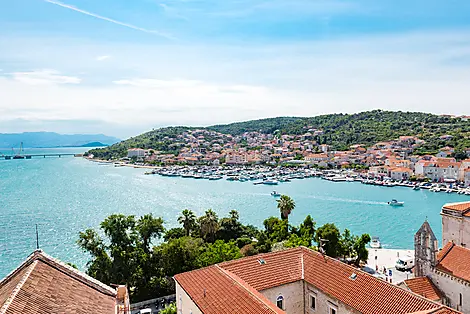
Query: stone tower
{"points": [[426, 249]]}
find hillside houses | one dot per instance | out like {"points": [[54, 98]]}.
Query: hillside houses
{"points": [[389, 159]]}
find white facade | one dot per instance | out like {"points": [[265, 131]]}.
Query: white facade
{"points": [[236, 159], [136, 152], [184, 303]]}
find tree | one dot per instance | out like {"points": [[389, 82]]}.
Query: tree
{"points": [[286, 205], [179, 255], [169, 309], [174, 233], [209, 225], [328, 239], [347, 244], [276, 229], [218, 252], [362, 254], [188, 220], [307, 229], [230, 228], [125, 257]]}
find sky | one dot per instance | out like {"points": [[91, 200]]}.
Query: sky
{"points": [[122, 67]]}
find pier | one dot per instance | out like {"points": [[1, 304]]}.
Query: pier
{"points": [[9, 157]]}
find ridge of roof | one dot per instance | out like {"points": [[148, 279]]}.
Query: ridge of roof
{"points": [[445, 250], [64, 268], [250, 290], [17, 288]]}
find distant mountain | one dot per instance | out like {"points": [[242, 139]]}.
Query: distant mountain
{"points": [[50, 139], [94, 144]]}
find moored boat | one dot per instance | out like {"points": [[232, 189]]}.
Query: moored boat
{"points": [[375, 243]]}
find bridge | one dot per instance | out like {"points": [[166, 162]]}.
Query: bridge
{"points": [[9, 157]]}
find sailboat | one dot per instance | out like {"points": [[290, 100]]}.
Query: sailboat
{"points": [[18, 156]]}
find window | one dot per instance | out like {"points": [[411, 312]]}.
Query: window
{"points": [[333, 309], [313, 302], [280, 302], [460, 299]]}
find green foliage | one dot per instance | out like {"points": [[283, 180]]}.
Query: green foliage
{"points": [[217, 252], [249, 250], [169, 309], [209, 225], [339, 131], [174, 233], [286, 205], [125, 257], [188, 220], [277, 230], [179, 255], [328, 238], [360, 248]]}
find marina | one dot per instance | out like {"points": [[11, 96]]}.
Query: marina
{"points": [[67, 195]]}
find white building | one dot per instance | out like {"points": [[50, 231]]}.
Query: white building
{"points": [[236, 158], [136, 152], [293, 281]]}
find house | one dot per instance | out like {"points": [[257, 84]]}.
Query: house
{"points": [[293, 281], [466, 177], [448, 270], [42, 284], [400, 173], [379, 171], [136, 152], [235, 158], [316, 158], [422, 286]]}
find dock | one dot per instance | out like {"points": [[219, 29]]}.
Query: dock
{"points": [[9, 157]]}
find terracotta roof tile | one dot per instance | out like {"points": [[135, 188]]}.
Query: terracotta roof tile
{"points": [[44, 285], [216, 291], [454, 260], [279, 268], [424, 287], [226, 284]]}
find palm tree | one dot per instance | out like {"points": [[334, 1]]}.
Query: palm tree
{"points": [[188, 220], [286, 205], [209, 225], [234, 214]]}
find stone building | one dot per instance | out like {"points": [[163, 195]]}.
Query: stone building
{"points": [[293, 281], [448, 270]]}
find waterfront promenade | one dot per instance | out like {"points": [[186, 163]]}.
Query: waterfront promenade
{"points": [[387, 258]]}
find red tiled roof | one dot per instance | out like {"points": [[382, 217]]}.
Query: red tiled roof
{"points": [[463, 207], [423, 286], [365, 293], [44, 285], [216, 291], [454, 260]]}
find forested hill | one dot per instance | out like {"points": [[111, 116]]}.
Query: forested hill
{"points": [[339, 130]]}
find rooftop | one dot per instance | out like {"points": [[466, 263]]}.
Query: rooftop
{"points": [[424, 287], [243, 279], [43, 284], [462, 207], [454, 260]]}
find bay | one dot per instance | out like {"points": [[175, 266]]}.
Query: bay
{"points": [[67, 195]]}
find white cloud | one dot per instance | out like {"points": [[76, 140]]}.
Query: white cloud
{"points": [[44, 77], [167, 85], [102, 58]]}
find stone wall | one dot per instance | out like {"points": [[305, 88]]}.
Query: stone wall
{"points": [[292, 294], [452, 287], [324, 303], [456, 229]]}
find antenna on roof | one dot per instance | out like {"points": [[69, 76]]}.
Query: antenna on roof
{"points": [[37, 238]]}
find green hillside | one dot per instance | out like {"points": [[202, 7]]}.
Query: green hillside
{"points": [[340, 131]]}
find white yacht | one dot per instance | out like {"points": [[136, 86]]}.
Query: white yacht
{"points": [[375, 243]]}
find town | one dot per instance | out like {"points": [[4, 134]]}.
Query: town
{"points": [[393, 160]]}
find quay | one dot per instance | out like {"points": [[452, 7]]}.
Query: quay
{"points": [[9, 157]]}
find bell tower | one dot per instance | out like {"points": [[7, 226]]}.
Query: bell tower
{"points": [[426, 249]]}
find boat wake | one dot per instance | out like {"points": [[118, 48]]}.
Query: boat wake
{"points": [[346, 200]]}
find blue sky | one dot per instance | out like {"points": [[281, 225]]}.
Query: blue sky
{"points": [[121, 67]]}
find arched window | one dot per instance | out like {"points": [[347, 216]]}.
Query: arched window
{"points": [[280, 302]]}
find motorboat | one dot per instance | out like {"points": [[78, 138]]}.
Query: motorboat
{"points": [[375, 243], [271, 182], [275, 194], [395, 203]]}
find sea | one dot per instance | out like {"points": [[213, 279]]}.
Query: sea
{"points": [[66, 195]]}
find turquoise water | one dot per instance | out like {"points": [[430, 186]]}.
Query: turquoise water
{"points": [[66, 195]]}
